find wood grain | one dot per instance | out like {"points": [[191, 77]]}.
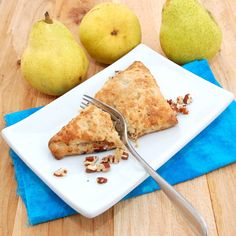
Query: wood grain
{"points": [[73, 225], [213, 194], [157, 216]]}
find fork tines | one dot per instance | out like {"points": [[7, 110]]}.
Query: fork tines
{"points": [[83, 105], [86, 101], [89, 100]]}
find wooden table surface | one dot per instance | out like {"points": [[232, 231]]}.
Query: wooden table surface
{"points": [[214, 194]]}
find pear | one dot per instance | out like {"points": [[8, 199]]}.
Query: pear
{"points": [[53, 62], [188, 31], [108, 31]]}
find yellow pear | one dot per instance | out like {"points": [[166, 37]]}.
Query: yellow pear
{"points": [[188, 31], [53, 62], [108, 31]]}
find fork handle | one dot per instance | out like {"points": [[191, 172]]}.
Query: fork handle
{"points": [[198, 223]]}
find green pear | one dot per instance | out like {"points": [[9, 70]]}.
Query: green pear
{"points": [[108, 31], [53, 62], [188, 31]]}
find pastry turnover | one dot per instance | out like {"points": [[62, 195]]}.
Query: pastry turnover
{"points": [[91, 131], [135, 93]]}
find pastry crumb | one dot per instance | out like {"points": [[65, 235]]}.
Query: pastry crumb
{"points": [[136, 144]]}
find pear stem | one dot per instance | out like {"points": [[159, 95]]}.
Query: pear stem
{"points": [[47, 19]]}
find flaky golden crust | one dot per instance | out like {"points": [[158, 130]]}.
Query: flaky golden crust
{"points": [[92, 130], [135, 93]]}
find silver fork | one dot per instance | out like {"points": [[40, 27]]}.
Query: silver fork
{"points": [[197, 222]]}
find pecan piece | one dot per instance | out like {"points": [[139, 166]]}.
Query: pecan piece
{"points": [[183, 110], [101, 180], [91, 168], [60, 172], [100, 148], [90, 160], [169, 101], [104, 167], [111, 159], [180, 105], [187, 99], [105, 159], [125, 156], [180, 100]]}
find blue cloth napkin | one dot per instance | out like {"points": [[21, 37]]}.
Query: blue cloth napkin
{"points": [[213, 148]]}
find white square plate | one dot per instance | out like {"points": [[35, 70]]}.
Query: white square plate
{"points": [[29, 138]]}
